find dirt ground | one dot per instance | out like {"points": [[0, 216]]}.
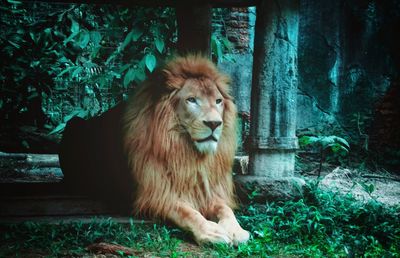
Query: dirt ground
{"points": [[363, 185]]}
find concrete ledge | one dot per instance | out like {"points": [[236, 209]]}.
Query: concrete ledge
{"points": [[263, 189], [272, 163], [241, 165]]}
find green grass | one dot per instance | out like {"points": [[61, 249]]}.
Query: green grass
{"points": [[322, 224]]}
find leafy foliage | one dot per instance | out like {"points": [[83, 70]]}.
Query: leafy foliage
{"points": [[79, 60], [325, 224], [95, 51], [334, 147], [334, 143], [321, 224]]}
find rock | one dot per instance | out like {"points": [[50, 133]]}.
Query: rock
{"points": [[263, 189]]}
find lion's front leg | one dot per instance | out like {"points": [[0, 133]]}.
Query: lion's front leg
{"points": [[227, 220], [204, 231]]}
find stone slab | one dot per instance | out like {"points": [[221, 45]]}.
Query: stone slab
{"points": [[263, 189]]}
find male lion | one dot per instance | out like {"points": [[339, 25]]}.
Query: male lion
{"points": [[179, 137]]}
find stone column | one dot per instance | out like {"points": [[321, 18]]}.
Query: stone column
{"points": [[273, 101]]}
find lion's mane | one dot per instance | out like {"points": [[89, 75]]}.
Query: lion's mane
{"points": [[161, 157]]}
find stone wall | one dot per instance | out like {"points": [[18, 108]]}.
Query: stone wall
{"points": [[349, 68], [344, 69], [238, 27], [348, 60]]}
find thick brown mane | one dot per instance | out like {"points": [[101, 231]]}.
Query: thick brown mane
{"points": [[162, 159]]}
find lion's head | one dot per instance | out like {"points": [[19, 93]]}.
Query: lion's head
{"points": [[200, 112], [201, 99], [180, 135]]}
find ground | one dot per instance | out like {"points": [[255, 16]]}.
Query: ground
{"points": [[364, 185], [345, 213]]}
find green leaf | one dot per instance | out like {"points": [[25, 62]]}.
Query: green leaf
{"points": [[313, 139], [219, 49], [126, 41], [304, 140], [113, 74], [77, 71], [342, 141], [95, 52], [228, 45], [79, 113], [84, 39], [88, 90], [111, 57], [124, 67], [14, 44], [33, 37], [150, 61], [66, 70], [216, 47], [95, 37], [14, 2], [58, 129], [33, 95], [70, 38], [74, 31], [159, 45], [74, 26], [82, 113], [63, 59], [71, 115], [336, 147], [129, 76], [136, 34], [369, 188], [325, 141], [140, 75]]}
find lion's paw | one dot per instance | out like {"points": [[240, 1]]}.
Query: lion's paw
{"points": [[240, 236], [235, 231], [211, 232]]}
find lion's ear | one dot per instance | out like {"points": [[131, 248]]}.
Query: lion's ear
{"points": [[223, 83], [171, 80]]}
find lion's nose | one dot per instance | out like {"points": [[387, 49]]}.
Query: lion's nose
{"points": [[212, 124]]}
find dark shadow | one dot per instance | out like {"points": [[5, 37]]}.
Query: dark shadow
{"points": [[93, 161]]}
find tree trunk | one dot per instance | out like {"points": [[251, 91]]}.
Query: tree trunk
{"points": [[194, 29]]}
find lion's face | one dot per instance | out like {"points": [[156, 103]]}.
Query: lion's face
{"points": [[200, 113]]}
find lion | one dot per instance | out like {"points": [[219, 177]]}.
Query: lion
{"points": [[179, 135]]}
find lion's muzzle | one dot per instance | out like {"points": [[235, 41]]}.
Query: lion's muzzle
{"points": [[212, 124]]}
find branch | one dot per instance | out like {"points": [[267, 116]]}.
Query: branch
{"points": [[39, 160], [106, 248]]}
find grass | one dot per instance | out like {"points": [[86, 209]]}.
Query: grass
{"points": [[321, 224]]}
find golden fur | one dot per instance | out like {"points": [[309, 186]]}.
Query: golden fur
{"points": [[162, 159]]}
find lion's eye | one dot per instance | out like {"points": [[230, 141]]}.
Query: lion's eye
{"points": [[191, 100], [218, 101]]}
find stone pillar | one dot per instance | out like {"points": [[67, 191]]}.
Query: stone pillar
{"points": [[273, 101], [194, 29]]}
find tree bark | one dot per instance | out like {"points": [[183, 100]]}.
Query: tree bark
{"points": [[194, 29]]}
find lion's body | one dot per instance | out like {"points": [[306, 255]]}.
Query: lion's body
{"points": [[164, 162], [167, 167]]}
